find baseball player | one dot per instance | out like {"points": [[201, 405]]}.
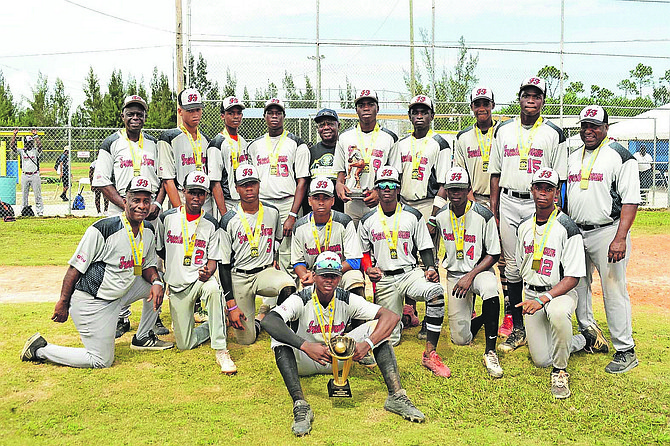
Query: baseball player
{"points": [[603, 194], [391, 234], [550, 258], [225, 153], [62, 166], [322, 154], [114, 265], [250, 234], [361, 151], [326, 230], [184, 149], [282, 160], [470, 236], [30, 155], [316, 314], [125, 154], [188, 241], [521, 146]]}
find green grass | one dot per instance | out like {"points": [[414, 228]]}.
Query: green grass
{"points": [[175, 397], [651, 222]]}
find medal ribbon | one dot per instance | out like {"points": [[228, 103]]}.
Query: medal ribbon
{"points": [[234, 154], [315, 234], [539, 250], [367, 150], [458, 226], [484, 142], [273, 153], [189, 242], [196, 146], [416, 156], [136, 246], [524, 148], [254, 237], [586, 174], [321, 317], [135, 155], [391, 238]]}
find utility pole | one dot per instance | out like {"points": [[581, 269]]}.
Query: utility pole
{"points": [[560, 81], [179, 63], [318, 58], [412, 85], [432, 54]]}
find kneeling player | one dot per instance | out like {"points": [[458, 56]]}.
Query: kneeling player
{"points": [[550, 255], [472, 248], [319, 312]]}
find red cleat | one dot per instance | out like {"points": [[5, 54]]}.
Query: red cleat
{"points": [[434, 363], [506, 326]]}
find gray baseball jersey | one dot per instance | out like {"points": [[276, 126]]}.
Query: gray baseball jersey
{"points": [[220, 163], [177, 158], [469, 153], [424, 163], [412, 233], [480, 237], [104, 258], [169, 237], [343, 239], [613, 181], [30, 160], [278, 178]]}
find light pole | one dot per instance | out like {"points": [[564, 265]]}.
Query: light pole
{"points": [[318, 58]]}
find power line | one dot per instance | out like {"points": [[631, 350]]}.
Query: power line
{"points": [[63, 53], [119, 18]]}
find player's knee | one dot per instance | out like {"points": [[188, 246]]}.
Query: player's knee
{"points": [[284, 293], [543, 361], [101, 362], [460, 332]]}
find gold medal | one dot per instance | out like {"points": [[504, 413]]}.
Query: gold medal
{"points": [[137, 270], [536, 264], [273, 170], [394, 253], [523, 164], [485, 166], [460, 255], [254, 252], [415, 174], [136, 172], [366, 169], [187, 261], [584, 183]]}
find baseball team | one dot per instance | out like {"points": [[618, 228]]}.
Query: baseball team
{"points": [[234, 227]]}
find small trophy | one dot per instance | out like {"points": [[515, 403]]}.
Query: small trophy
{"points": [[357, 164], [342, 348]]}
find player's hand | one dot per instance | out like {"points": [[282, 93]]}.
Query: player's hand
{"points": [[60, 312], [156, 294], [275, 263], [371, 198], [462, 286], [617, 250], [342, 191], [204, 274], [236, 317], [16, 131], [318, 352], [362, 349], [153, 212], [529, 306], [432, 275], [375, 274], [288, 225], [431, 229], [307, 279], [34, 132]]}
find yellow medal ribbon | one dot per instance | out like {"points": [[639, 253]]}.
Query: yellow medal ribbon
{"points": [[189, 242], [458, 228], [273, 153], [391, 237], [321, 317], [254, 237], [538, 250], [196, 146], [484, 142], [315, 234], [137, 247], [524, 147], [135, 155], [418, 154], [234, 154], [367, 151], [586, 174]]}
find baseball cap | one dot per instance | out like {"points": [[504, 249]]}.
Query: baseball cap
{"points": [[481, 93], [387, 173], [328, 263], [197, 180], [28, 138], [189, 99], [276, 102], [366, 94], [230, 102], [534, 82], [326, 113], [421, 99], [546, 175], [246, 173], [139, 184], [134, 99], [594, 114], [322, 185], [457, 178]]}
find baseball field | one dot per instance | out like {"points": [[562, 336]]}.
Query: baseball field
{"points": [[174, 397]]}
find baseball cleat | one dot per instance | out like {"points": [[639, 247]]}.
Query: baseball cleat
{"points": [[302, 418], [409, 318], [595, 339], [226, 362], [559, 384], [506, 326], [493, 364], [423, 333], [434, 363], [515, 340], [368, 361], [400, 404], [159, 328], [29, 352], [150, 343], [122, 326], [622, 362]]}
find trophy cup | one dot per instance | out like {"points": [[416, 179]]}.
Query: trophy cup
{"points": [[357, 164], [341, 349]]}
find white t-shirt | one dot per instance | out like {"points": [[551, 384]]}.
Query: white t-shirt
{"points": [[643, 161]]}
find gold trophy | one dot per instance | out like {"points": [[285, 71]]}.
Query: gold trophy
{"points": [[357, 165], [342, 348]]}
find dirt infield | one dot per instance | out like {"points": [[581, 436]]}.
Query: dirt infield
{"points": [[648, 277]]}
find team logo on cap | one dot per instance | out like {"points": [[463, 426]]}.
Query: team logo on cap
{"points": [[192, 97]]}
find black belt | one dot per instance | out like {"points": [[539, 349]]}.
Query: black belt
{"points": [[395, 272], [538, 288], [29, 173], [515, 194], [592, 227], [250, 271]]}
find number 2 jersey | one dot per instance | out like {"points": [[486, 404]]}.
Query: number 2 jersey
{"points": [[563, 253]]}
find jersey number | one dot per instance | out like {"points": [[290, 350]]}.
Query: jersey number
{"points": [[199, 254], [546, 267], [534, 165]]}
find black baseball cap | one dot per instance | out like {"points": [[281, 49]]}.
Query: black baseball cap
{"points": [[325, 113]]}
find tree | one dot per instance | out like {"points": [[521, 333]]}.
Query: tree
{"points": [[575, 87], [292, 94], [37, 113], [231, 84], [661, 95], [89, 114], [162, 113], [628, 87], [246, 98], [60, 103], [112, 101], [552, 76], [348, 95], [641, 75], [463, 79], [8, 109], [309, 97]]}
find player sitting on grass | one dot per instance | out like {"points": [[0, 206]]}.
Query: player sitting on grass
{"points": [[114, 265], [319, 312]]}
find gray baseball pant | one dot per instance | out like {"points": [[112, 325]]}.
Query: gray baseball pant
{"points": [[512, 211], [34, 181]]}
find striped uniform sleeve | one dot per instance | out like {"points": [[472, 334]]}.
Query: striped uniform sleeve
{"points": [[167, 169], [573, 258], [150, 257], [89, 250], [104, 169], [628, 182], [301, 166]]}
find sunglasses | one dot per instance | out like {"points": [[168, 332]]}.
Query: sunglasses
{"points": [[388, 185], [328, 263]]}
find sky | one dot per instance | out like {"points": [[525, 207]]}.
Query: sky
{"points": [[63, 38]]}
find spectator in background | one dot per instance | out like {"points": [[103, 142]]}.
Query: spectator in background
{"points": [[644, 162], [30, 168], [62, 166], [322, 154], [96, 190]]}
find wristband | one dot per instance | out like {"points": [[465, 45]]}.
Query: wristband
{"points": [[157, 282], [232, 308], [432, 223], [439, 202], [293, 214], [539, 301], [370, 343], [160, 206], [549, 296]]}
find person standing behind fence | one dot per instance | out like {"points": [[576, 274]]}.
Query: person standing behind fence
{"points": [[322, 154], [644, 163], [30, 168], [63, 163], [96, 190]]}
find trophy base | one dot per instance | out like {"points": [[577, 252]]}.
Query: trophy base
{"points": [[356, 194], [335, 391]]}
